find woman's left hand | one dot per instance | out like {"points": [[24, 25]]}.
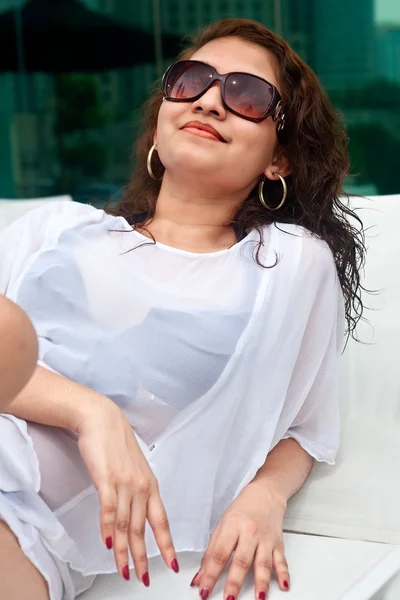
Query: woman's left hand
{"points": [[251, 527]]}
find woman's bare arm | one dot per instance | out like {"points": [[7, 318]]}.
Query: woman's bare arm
{"points": [[118, 468], [286, 468], [18, 351], [116, 464], [52, 399], [32, 392]]}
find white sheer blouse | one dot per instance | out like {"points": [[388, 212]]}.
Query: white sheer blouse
{"points": [[213, 359]]}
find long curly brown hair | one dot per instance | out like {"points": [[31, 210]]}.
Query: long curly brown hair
{"points": [[313, 141]]}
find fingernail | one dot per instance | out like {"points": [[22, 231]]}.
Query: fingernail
{"points": [[204, 594], [230, 597], [285, 584], [146, 579], [192, 582], [261, 596], [125, 573], [175, 566], [109, 542]]}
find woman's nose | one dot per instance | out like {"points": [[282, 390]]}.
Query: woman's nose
{"points": [[211, 102]]}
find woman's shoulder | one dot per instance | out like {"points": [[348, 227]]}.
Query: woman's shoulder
{"points": [[69, 209], [42, 226], [291, 237], [55, 210], [307, 237], [64, 214]]}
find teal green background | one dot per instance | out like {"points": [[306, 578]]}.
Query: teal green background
{"points": [[73, 134]]}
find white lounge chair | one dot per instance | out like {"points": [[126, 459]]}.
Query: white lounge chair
{"points": [[342, 530], [12, 209]]}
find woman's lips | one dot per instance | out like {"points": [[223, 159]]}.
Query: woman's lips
{"points": [[202, 133], [196, 126]]}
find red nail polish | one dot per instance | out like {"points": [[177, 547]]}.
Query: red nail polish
{"points": [[109, 542], [175, 566], [261, 596], [285, 584], [192, 582], [125, 573], [146, 579], [230, 597], [204, 594]]}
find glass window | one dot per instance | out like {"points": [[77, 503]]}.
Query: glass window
{"points": [[49, 121]]}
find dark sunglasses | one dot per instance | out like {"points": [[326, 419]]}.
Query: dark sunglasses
{"points": [[247, 96]]}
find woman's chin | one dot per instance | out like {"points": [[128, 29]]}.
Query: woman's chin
{"points": [[192, 161], [187, 168]]}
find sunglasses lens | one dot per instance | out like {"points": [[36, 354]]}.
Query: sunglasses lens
{"points": [[187, 79], [248, 95]]}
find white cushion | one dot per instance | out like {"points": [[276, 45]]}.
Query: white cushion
{"points": [[10, 210], [359, 498], [390, 591], [320, 568]]}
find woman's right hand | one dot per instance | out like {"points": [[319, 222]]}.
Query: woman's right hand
{"points": [[127, 488]]}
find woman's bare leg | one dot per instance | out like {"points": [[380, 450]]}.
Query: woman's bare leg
{"points": [[18, 351], [19, 579]]}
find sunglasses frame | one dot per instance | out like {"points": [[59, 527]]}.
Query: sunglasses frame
{"points": [[274, 110]]}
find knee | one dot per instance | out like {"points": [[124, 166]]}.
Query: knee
{"points": [[18, 350]]}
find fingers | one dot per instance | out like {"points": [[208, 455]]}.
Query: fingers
{"points": [[262, 572], [108, 507], [265, 561], [121, 528], [136, 536], [123, 513], [122, 524], [214, 561], [213, 538], [158, 520], [241, 563], [281, 568]]}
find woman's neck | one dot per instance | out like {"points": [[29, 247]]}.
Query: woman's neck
{"points": [[193, 238], [193, 223]]}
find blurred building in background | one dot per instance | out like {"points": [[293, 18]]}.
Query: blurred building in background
{"points": [[344, 42], [356, 58], [387, 65]]}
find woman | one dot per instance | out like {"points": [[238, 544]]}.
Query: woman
{"points": [[189, 337]]}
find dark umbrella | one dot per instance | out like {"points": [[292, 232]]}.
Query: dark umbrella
{"points": [[59, 36]]}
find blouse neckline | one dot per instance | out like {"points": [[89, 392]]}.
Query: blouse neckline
{"points": [[188, 253]]}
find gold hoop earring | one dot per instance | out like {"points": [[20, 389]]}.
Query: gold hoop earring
{"points": [[261, 193], [149, 157]]}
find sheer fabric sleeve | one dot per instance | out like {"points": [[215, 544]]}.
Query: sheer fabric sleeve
{"points": [[21, 240], [33, 232], [314, 385]]}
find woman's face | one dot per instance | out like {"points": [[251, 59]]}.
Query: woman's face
{"points": [[236, 164]]}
